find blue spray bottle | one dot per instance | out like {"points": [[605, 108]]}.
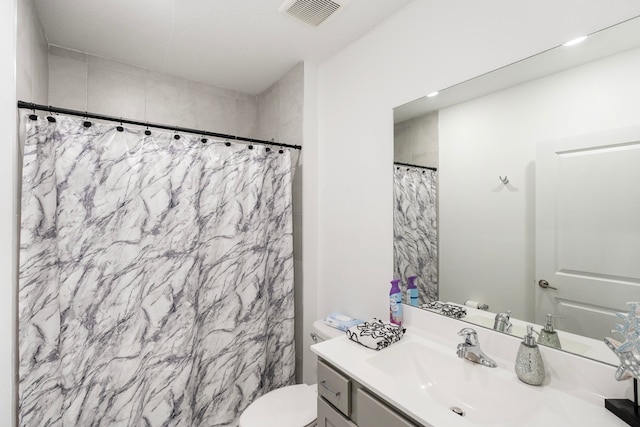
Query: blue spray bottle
{"points": [[412, 291], [395, 303]]}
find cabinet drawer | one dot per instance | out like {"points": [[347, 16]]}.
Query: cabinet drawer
{"points": [[335, 388], [329, 417], [374, 413]]}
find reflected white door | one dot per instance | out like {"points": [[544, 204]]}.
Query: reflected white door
{"points": [[588, 229]]}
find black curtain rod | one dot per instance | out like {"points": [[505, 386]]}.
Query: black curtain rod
{"points": [[416, 166], [33, 106]]}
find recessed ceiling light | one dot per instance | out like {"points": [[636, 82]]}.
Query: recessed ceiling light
{"points": [[575, 41], [432, 94]]}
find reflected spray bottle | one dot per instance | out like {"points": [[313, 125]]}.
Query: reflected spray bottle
{"points": [[395, 303], [412, 291]]}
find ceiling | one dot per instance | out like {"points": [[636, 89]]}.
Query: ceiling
{"points": [[244, 45]]}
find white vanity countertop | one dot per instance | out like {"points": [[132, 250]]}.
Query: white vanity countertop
{"points": [[556, 408], [554, 404]]}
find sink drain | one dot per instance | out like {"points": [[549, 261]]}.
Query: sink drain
{"points": [[457, 411]]}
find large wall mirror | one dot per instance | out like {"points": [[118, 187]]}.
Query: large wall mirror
{"points": [[519, 191]]}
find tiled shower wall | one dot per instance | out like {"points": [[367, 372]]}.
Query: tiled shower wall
{"points": [[32, 71], [90, 83], [415, 141], [86, 82], [32, 82], [280, 118]]}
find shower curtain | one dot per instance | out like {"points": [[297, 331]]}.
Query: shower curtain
{"points": [[415, 232], [156, 277]]}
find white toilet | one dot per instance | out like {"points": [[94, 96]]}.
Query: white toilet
{"points": [[291, 406]]}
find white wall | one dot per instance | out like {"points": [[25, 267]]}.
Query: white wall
{"points": [[32, 66], [8, 256], [488, 227], [426, 46]]}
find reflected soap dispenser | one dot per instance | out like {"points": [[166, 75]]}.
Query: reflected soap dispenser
{"points": [[548, 335], [412, 290], [529, 364], [395, 303]]}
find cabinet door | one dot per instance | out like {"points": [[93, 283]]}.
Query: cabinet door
{"points": [[335, 388], [373, 413], [329, 417]]}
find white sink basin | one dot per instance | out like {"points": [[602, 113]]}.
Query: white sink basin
{"points": [[491, 396]]}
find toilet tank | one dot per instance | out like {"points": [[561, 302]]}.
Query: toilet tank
{"points": [[322, 332]]}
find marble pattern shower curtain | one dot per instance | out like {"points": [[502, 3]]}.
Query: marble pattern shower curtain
{"points": [[156, 277], [415, 232]]}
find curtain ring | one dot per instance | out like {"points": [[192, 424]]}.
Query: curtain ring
{"points": [[50, 117], [33, 116]]}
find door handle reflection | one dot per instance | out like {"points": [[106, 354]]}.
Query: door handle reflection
{"points": [[545, 285]]}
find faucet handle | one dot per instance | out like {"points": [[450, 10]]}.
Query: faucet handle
{"points": [[504, 315], [470, 336], [502, 322]]}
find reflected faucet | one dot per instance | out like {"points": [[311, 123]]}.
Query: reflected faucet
{"points": [[470, 349], [502, 322]]}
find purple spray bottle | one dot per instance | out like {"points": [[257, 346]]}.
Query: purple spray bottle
{"points": [[395, 303]]}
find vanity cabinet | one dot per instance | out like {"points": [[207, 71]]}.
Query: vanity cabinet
{"points": [[374, 413], [329, 417], [343, 402]]}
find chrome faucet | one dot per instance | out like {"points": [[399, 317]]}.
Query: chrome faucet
{"points": [[470, 349], [502, 322]]}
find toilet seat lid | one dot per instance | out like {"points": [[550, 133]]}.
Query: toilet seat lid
{"points": [[291, 406]]}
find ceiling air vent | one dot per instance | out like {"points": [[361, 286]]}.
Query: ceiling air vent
{"points": [[312, 12]]}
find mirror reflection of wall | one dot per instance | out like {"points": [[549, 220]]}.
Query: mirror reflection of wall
{"points": [[497, 240], [415, 230], [490, 228]]}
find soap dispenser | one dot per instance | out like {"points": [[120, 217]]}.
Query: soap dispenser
{"points": [[548, 335], [529, 364]]}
